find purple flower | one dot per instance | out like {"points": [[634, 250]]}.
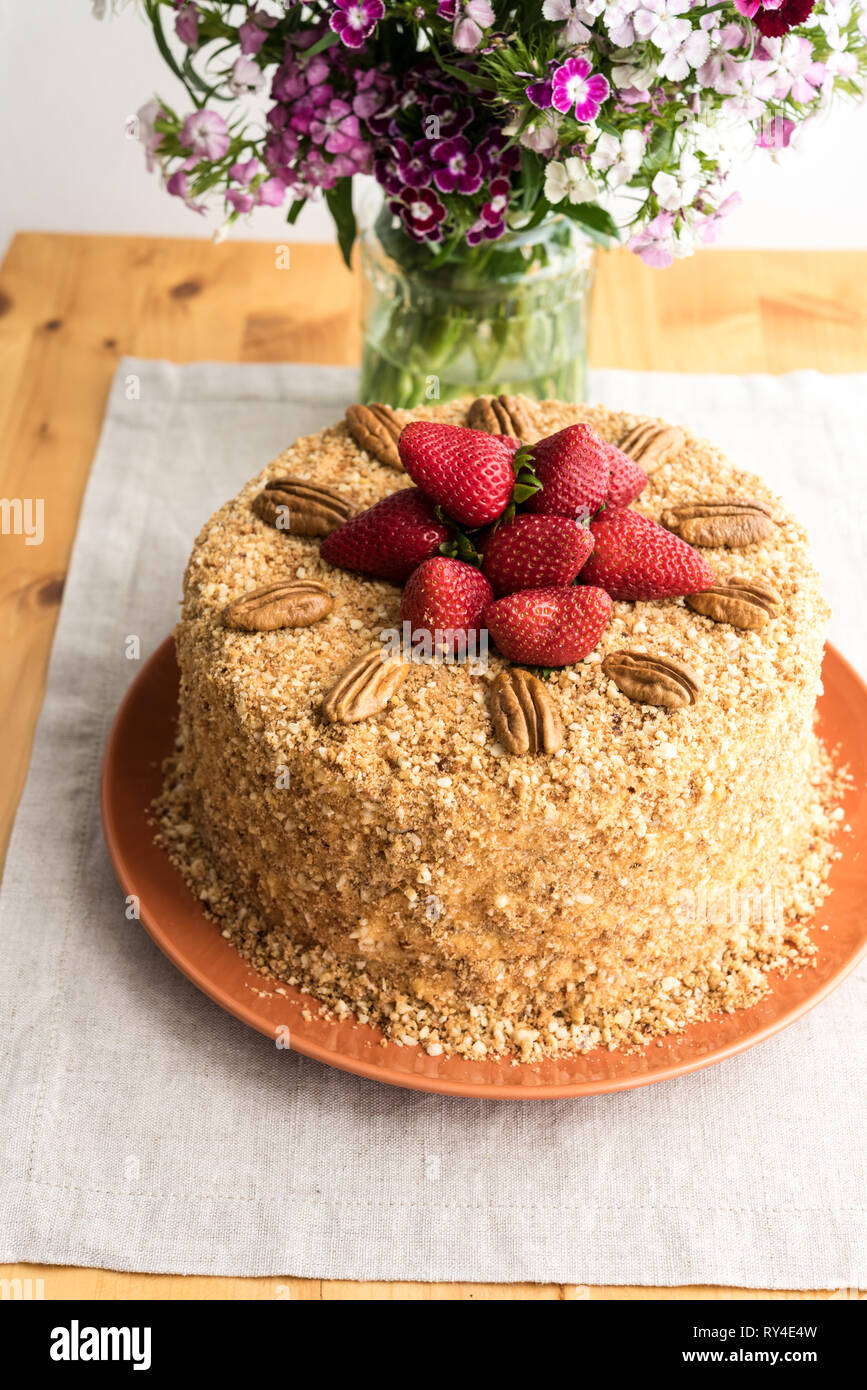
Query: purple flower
{"points": [[461, 171], [449, 118], [412, 166], [539, 93], [493, 212], [446, 9], [253, 32], [353, 21], [572, 85], [240, 200], [187, 22], [422, 213], [206, 134]]}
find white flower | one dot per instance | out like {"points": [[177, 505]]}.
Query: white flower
{"points": [[678, 192], [247, 76], [683, 48], [655, 13], [621, 158], [625, 75], [542, 134], [619, 21], [569, 179], [571, 15]]}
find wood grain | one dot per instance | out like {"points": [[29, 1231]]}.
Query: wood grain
{"points": [[70, 306]]}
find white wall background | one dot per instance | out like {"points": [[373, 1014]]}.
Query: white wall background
{"points": [[68, 84]]}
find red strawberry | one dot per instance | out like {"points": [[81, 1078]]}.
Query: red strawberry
{"points": [[548, 627], [534, 552], [627, 480], [468, 472], [390, 539], [636, 558], [446, 597], [573, 468]]}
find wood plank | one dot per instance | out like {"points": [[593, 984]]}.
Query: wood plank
{"points": [[58, 1282], [70, 306]]}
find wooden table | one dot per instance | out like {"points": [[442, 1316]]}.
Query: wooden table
{"points": [[70, 306]]}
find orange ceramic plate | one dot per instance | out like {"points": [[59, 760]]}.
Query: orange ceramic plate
{"points": [[142, 736]]}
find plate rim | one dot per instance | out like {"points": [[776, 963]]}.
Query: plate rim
{"points": [[358, 1066]]}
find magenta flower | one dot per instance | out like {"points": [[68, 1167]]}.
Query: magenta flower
{"points": [[775, 133], [187, 22], [411, 165], [573, 85], [449, 117], [244, 173], [773, 18], [240, 200], [461, 170], [353, 21], [493, 212], [206, 134], [271, 193]]}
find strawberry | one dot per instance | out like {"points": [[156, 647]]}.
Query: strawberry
{"points": [[390, 539], [627, 479], [573, 468], [636, 558], [467, 472], [446, 597], [548, 627], [534, 552]]}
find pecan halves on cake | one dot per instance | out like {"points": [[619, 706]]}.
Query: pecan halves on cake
{"points": [[733, 524], [365, 687], [501, 415], [652, 445], [743, 603], [286, 603], [300, 507], [524, 716], [652, 680], [376, 429]]}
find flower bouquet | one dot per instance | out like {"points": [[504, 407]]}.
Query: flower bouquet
{"points": [[505, 139]]}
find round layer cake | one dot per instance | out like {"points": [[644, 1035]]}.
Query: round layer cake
{"points": [[411, 871]]}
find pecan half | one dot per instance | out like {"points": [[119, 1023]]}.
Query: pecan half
{"points": [[376, 429], [734, 524], [652, 445], [300, 507], [525, 718], [741, 602], [286, 603], [502, 415], [365, 687], [652, 680]]}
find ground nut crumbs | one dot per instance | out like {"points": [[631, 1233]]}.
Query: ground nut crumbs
{"points": [[408, 871]]}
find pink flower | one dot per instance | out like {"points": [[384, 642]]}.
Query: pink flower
{"points": [[655, 243], [707, 228], [187, 23], [247, 76], [775, 132], [178, 187], [206, 134], [470, 22], [271, 193], [254, 31], [151, 138], [572, 85], [353, 21], [244, 173], [240, 200], [337, 128]]}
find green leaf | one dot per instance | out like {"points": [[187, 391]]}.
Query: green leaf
{"points": [[599, 224], [295, 210], [339, 200], [531, 179], [328, 39]]}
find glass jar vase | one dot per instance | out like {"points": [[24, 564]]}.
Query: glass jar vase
{"points": [[507, 316]]}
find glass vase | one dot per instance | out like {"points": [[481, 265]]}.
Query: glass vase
{"points": [[507, 316]]}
